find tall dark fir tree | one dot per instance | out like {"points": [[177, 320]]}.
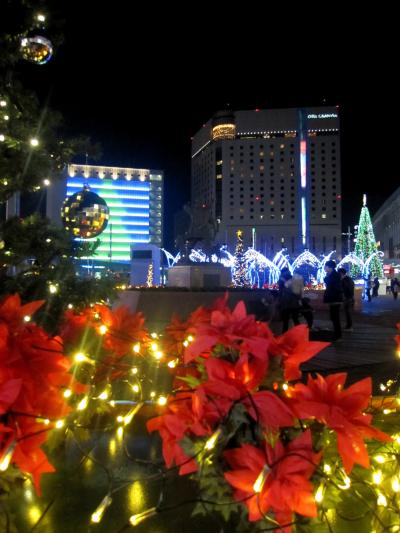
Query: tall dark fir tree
{"points": [[36, 258]]}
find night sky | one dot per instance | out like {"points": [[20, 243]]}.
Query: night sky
{"points": [[141, 82]]}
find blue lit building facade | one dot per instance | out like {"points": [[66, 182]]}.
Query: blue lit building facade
{"points": [[135, 200]]}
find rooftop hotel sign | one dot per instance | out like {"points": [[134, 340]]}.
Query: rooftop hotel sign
{"points": [[322, 115]]}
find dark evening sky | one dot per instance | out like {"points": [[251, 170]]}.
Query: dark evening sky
{"points": [[142, 82]]}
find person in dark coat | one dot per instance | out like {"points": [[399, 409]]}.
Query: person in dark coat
{"points": [[375, 288], [395, 287], [368, 287], [348, 298], [333, 296], [289, 304]]}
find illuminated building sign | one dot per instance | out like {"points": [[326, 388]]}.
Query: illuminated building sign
{"points": [[134, 198], [322, 115], [223, 131]]}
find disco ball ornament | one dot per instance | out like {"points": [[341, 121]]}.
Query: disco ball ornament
{"points": [[85, 214], [36, 49]]}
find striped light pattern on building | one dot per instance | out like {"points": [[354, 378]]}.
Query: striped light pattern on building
{"points": [[135, 201]]}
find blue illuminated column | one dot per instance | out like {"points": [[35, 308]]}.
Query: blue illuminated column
{"points": [[303, 179]]}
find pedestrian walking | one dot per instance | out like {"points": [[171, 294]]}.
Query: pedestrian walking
{"points": [[395, 286], [375, 287], [348, 298], [289, 305], [368, 287], [333, 296]]}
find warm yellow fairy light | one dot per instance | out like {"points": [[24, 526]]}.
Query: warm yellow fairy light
{"points": [[136, 347], [120, 418], [3, 103], [387, 411], [134, 370], [382, 387], [67, 393], [395, 484], [6, 456], [27, 318], [154, 346], [136, 519], [53, 288], [34, 142], [103, 329], [346, 482], [135, 388], [185, 344], [99, 512], [162, 400], [158, 355], [46, 421], [319, 495], [103, 395], [190, 338], [381, 500], [327, 468], [80, 358], [129, 416], [153, 335], [212, 441], [70, 306], [82, 404], [260, 481], [46, 182], [172, 364], [40, 17], [377, 477], [379, 459], [2, 139], [152, 394], [120, 432], [285, 386], [60, 424]]}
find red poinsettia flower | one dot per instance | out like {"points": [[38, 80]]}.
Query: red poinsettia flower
{"points": [[234, 330], [340, 409], [33, 372], [175, 335], [178, 420], [124, 328], [75, 324], [9, 391], [295, 348], [28, 454], [275, 479], [178, 331], [234, 381], [12, 312]]}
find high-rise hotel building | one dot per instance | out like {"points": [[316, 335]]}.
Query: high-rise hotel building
{"points": [[274, 174], [135, 201]]}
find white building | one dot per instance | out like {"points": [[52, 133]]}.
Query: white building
{"points": [[386, 222], [275, 174]]}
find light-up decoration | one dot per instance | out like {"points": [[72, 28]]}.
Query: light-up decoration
{"points": [[223, 131], [303, 163], [303, 221], [132, 216]]}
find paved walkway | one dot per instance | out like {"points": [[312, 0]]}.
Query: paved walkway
{"points": [[370, 350]]}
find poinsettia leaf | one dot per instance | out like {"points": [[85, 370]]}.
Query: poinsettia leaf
{"points": [[190, 380]]}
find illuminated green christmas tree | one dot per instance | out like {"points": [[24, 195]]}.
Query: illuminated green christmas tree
{"points": [[366, 245], [240, 270]]}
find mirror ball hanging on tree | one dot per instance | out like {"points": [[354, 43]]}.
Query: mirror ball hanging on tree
{"points": [[85, 214], [36, 49]]}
